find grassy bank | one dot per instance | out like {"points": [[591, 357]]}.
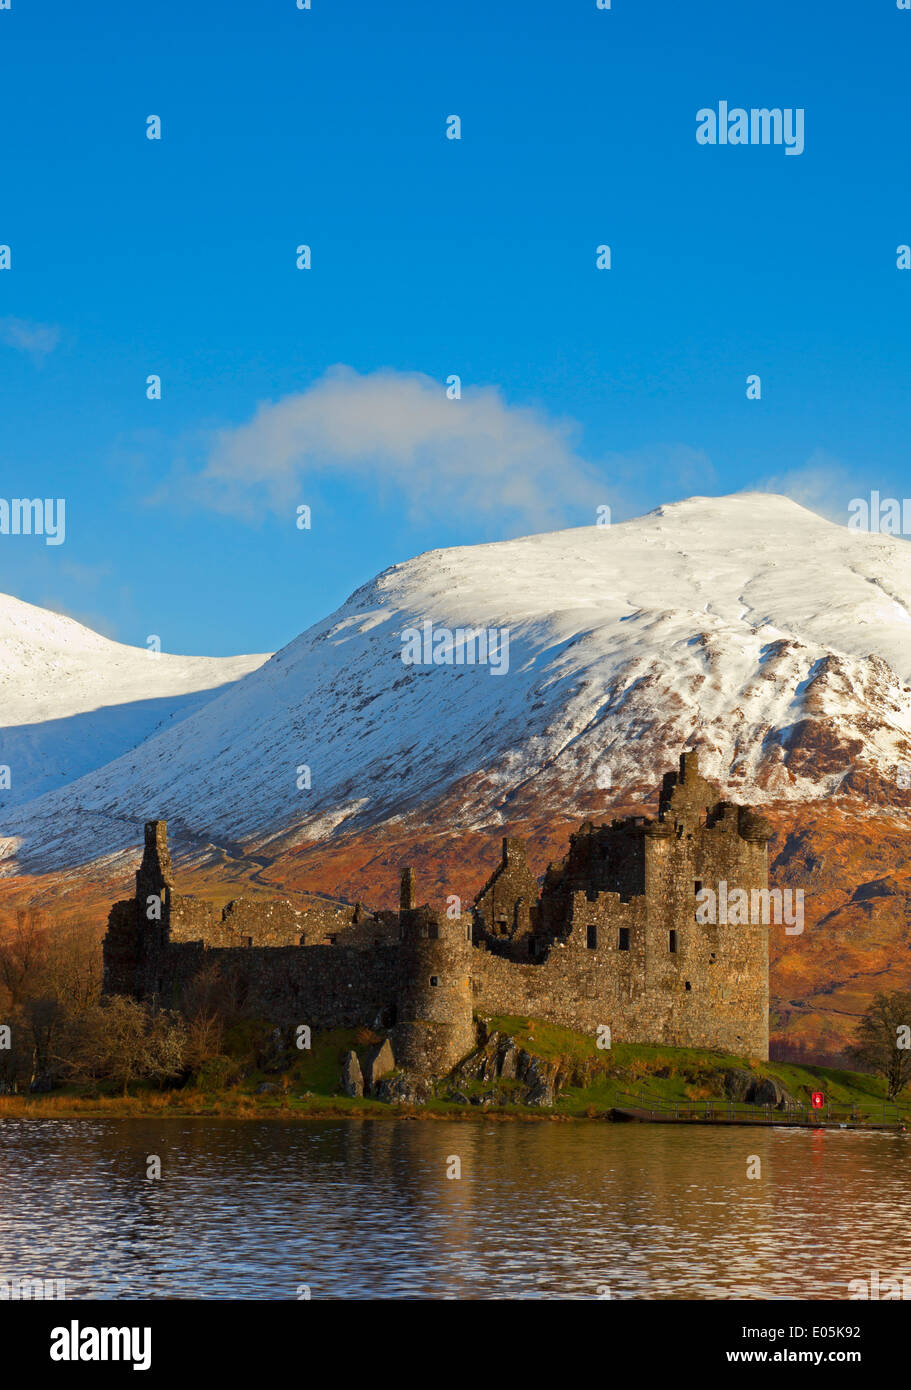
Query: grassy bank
{"points": [[306, 1084], [667, 1074]]}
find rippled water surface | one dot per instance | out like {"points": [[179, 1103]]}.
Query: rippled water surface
{"points": [[351, 1208]]}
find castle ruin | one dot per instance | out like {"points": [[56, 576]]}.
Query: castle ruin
{"points": [[611, 938]]}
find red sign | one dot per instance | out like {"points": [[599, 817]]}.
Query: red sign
{"points": [[817, 1100]]}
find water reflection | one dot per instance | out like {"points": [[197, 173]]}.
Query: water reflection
{"points": [[257, 1209]]}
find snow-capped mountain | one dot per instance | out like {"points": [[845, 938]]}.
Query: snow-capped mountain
{"points": [[72, 700], [779, 641]]}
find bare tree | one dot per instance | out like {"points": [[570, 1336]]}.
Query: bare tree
{"points": [[49, 973], [884, 1040], [124, 1041], [207, 1003]]}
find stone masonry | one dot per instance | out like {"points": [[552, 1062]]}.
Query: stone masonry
{"points": [[610, 939]]}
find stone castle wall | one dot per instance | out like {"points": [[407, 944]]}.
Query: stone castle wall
{"points": [[610, 939]]}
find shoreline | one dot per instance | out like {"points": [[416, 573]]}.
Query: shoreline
{"points": [[559, 1076], [247, 1108]]}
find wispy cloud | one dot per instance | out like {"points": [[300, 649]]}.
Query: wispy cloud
{"points": [[445, 458], [36, 338], [91, 618], [824, 484]]}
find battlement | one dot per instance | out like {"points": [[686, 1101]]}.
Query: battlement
{"points": [[686, 793]]}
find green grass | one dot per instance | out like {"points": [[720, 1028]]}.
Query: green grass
{"points": [[308, 1081], [671, 1074]]}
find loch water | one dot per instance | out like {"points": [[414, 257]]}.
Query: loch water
{"points": [[355, 1208]]}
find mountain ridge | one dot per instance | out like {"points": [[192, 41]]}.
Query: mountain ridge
{"points": [[72, 700], [774, 637]]}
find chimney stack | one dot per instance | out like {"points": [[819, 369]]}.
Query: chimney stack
{"points": [[408, 895]]}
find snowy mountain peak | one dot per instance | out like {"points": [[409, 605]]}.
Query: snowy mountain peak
{"points": [[72, 700], [777, 639]]}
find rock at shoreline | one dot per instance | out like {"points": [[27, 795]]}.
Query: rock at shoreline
{"points": [[403, 1090], [380, 1062], [352, 1077]]}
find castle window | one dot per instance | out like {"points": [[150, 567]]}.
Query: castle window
{"points": [[434, 979], [672, 941], [688, 985], [303, 939], [468, 934], [249, 940], [592, 937], [623, 943]]}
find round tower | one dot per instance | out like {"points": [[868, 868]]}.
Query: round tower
{"points": [[434, 1028]]}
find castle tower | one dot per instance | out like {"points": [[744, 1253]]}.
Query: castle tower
{"points": [[155, 877], [154, 885], [407, 898], [434, 1028], [138, 928]]}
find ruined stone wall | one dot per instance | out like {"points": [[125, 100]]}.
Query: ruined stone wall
{"points": [[507, 901], [190, 919], [605, 858], [266, 922], [322, 986], [120, 958], [614, 941], [575, 985], [686, 1005]]}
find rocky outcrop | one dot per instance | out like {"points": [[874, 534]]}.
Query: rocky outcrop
{"points": [[352, 1077], [379, 1063], [402, 1089], [765, 1090], [744, 1087], [529, 1080]]}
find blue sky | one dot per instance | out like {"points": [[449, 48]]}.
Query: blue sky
{"points": [[430, 257]]}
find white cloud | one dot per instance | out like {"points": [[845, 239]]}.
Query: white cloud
{"points": [[476, 457], [37, 338]]}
